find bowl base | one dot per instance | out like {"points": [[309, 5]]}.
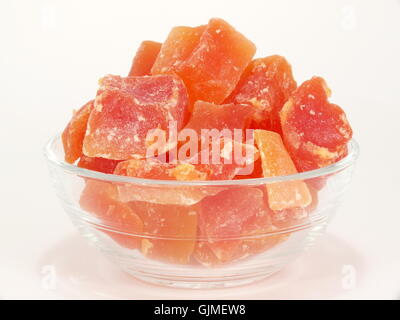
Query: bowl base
{"points": [[193, 283]]}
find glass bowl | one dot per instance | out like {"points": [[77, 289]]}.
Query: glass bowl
{"points": [[197, 234]]}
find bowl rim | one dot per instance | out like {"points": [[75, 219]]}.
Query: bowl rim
{"points": [[53, 159]]}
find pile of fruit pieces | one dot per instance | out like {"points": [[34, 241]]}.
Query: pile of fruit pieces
{"points": [[204, 77]]}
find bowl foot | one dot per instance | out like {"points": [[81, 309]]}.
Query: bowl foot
{"points": [[197, 283]]}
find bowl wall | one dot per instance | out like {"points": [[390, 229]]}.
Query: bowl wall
{"points": [[196, 235]]}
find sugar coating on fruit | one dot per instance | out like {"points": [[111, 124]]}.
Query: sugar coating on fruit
{"points": [[74, 133], [144, 59], [101, 199], [126, 110], [266, 84], [172, 230], [276, 161], [315, 131]]}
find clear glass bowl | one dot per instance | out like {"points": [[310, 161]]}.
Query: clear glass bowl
{"points": [[172, 251]]}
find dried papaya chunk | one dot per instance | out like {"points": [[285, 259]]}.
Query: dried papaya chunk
{"points": [[178, 46], [276, 161], [224, 159], [206, 115], [295, 216], [144, 168], [203, 253], [159, 194], [227, 218], [126, 109], [144, 58], [209, 59], [315, 131], [172, 230], [101, 199], [214, 67], [98, 164], [291, 217], [74, 133], [255, 173], [215, 127], [287, 218], [266, 85]]}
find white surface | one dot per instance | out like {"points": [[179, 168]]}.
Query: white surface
{"points": [[53, 52]]}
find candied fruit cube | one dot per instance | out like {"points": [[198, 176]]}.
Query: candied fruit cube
{"points": [[210, 59], [220, 130], [178, 46], [101, 199], [215, 127], [144, 58], [288, 217], [232, 158], [227, 218], [214, 67], [97, 195], [172, 230], [73, 134], [266, 85], [210, 116], [295, 216], [144, 168], [126, 109], [159, 194], [98, 164], [277, 162], [203, 253], [315, 131], [254, 173]]}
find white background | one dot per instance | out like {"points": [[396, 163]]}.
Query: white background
{"points": [[51, 56]]}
